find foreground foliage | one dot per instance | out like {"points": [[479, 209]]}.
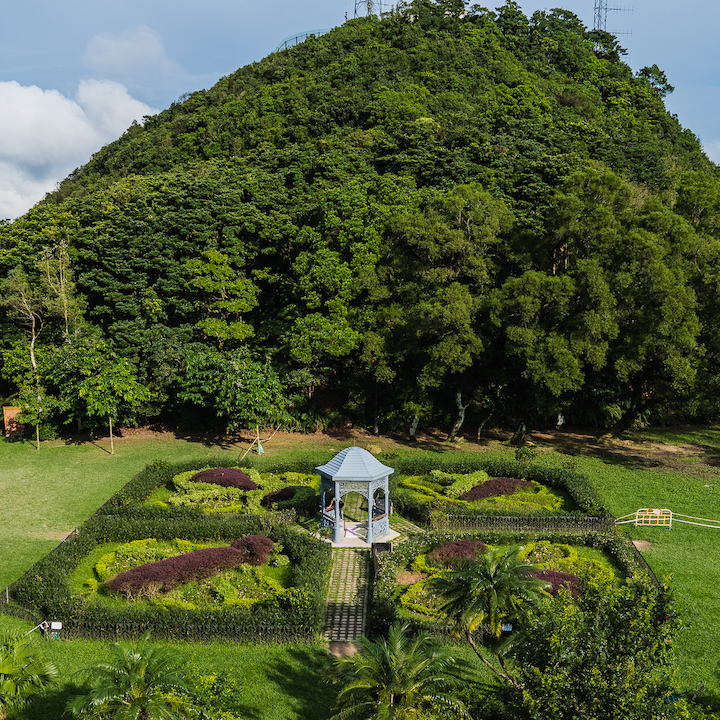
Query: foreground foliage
{"points": [[23, 672], [399, 677], [141, 682], [603, 656]]}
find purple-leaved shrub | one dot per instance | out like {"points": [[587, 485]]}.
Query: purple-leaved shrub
{"points": [[497, 486], [164, 575], [558, 579], [227, 477], [453, 553]]}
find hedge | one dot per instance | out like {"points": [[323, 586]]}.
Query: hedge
{"points": [[44, 590], [382, 604]]}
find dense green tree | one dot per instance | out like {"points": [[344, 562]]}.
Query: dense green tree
{"points": [[402, 676], [93, 382], [227, 296], [243, 391], [604, 656]]}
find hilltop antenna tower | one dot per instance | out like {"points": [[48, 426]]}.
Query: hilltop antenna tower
{"points": [[368, 7], [601, 11]]}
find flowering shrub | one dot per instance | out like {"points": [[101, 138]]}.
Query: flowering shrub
{"points": [[227, 477], [497, 486], [558, 579], [453, 553], [164, 575]]}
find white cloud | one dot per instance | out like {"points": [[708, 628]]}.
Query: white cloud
{"points": [[135, 58], [45, 135], [109, 107]]}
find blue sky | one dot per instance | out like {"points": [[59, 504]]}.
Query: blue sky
{"points": [[74, 75]]}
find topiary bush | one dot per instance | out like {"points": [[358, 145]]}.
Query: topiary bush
{"points": [[454, 553], [495, 487], [227, 477], [558, 579], [254, 549], [287, 493]]}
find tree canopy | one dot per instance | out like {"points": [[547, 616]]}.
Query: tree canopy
{"points": [[446, 211]]}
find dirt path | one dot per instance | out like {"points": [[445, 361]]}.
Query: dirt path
{"points": [[697, 460]]}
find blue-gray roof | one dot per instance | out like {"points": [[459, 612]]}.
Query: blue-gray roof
{"points": [[355, 463]]}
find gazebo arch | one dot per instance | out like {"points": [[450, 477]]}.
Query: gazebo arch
{"points": [[354, 470]]}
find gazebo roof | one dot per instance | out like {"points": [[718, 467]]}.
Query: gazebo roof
{"points": [[355, 463]]}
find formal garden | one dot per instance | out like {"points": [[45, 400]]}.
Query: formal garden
{"points": [[208, 556]]}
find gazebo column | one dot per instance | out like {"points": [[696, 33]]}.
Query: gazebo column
{"points": [[371, 503], [338, 534]]}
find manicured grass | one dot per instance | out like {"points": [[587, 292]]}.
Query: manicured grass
{"points": [[274, 682], [48, 493], [685, 554]]}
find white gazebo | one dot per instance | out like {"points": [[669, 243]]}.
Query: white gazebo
{"points": [[355, 470]]}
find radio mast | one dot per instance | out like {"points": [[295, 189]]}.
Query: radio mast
{"points": [[368, 7]]}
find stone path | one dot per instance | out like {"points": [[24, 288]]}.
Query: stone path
{"points": [[404, 527], [347, 595]]}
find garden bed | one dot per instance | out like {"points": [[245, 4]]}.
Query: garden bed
{"points": [[403, 575], [286, 593]]}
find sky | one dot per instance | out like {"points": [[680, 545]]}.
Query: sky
{"points": [[74, 75]]}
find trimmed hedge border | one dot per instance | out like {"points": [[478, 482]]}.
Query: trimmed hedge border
{"points": [[382, 602], [44, 592], [577, 485]]}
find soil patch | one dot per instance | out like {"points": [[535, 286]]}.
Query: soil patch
{"points": [[342, 648], [642, 544], [405, 577]]}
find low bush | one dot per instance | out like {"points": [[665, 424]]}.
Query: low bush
{"points": [[254, 549], [497, 486], [451, 554], [226, 477], [558, 579], [287, 493]]}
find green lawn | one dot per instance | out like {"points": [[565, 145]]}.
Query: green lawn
{"points": [[47, 493], [686, 554]]}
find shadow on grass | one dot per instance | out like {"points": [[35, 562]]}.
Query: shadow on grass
{"points": [[302, 679], [51, 704]]}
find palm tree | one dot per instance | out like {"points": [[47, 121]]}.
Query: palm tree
{"points": [[398, 678], [481, 596], [144, 682], [22, 672]]}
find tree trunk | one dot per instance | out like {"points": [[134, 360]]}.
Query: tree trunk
{"points": [[112, 446], [518, 439], [413, 428], [498, 673], [37, 435], [485, 420], [631, 414], [461, 416]]}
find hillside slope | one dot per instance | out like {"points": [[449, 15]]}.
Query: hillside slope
{"points": [[416, 214]]}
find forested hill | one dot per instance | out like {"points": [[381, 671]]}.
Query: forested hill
{"points": [[416, 216]]}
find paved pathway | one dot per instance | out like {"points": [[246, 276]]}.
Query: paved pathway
{"points": [[347, 595]]}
